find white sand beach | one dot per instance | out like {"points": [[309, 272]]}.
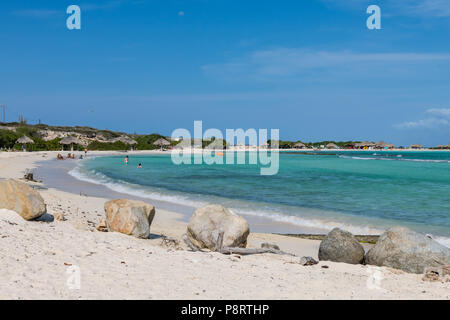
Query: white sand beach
{"points": [[35, 257]]}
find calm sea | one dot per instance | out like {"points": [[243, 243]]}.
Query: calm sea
{"points": [[363, 192]]}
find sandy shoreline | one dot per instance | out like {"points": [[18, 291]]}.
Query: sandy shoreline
{"points": [[56, 175], [35, 257]]}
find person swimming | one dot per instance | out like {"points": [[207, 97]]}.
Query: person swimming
{"points": [[140, 165]]}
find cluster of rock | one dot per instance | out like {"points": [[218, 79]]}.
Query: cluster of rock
{"points": [[399, 248], [125, 216]]}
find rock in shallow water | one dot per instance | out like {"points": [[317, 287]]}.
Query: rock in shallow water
{"points": [[130, 217], [21, 198], [341, 246], [208, 222], [407, 250]]}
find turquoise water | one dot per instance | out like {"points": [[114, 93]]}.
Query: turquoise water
{"points": [[362, 191]]}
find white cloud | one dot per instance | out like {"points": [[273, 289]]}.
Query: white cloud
{"points": [[102, 6], [445, 113], [438, 118], [417, 8], [291, 61], [433, 8], [425, 123]]}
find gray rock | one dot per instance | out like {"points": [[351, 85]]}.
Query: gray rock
{"points": [[270, 246], [407, 250], [130, 217], [341, 246], [21, 198], [308, 261], [208, 222]]}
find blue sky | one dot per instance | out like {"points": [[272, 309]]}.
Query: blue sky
{"points": [[309, 68]]}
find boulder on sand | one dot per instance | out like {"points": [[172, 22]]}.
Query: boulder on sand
{"points": [[407, 250], [130, 217], [208, 222], [21, 198], [341, 246]]}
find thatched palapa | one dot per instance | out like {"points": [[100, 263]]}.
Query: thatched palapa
{"points": [[162, 143], [299, 145], [25, 140], [126, 140]]}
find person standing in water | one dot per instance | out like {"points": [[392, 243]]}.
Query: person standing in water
{"points": [[126, 160]]}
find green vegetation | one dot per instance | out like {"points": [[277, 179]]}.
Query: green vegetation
{"points": [[147, 142], [108, 146], [8, 139]]}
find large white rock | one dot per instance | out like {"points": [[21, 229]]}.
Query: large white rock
{"points": [[130, 217], [21, 198], [208, 222], [407, 250]]}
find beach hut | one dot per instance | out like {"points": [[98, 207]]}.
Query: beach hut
{"points": [[299, 145], [127, 140], [384, 145], [161, 143], [69, 141], [447, 146], [331, 146], [366, 145], [380, 145], [416, 146], [24, 141]]}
